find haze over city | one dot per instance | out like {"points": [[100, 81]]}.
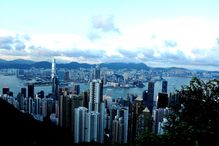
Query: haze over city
{"points": [[158, 33]]}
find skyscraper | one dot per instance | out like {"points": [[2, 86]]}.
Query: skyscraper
{"points": [[23, 92], [30, 90], [54, 78], [5, 90], [96, 95], [77, 89], [80, 124], [97, 105], [92, 126], [97, 72], [149, 101], [162, 101], [164, 86]]}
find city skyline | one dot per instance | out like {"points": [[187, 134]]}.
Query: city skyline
{"points": [[158, 33]]}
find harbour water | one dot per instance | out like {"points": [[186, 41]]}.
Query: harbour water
{"points": [[174, 83]]}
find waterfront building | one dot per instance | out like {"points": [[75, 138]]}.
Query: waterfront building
{"points": [[54, 79]]}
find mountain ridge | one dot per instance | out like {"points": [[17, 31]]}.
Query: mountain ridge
{"points": [[28, 64]]}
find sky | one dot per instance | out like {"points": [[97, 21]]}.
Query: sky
{"points": [[159, 33]]}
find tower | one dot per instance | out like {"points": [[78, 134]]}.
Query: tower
{"points": [[96, 95], [97, 72], [31, 90], [80, 124], [162, 101], [164, 86], [54, 79], [23, 92], [150, 96], [5, 90], [96, 104]]}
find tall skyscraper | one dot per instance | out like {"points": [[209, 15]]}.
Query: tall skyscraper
{"points": [[97, 104], [144, 122], [92, 126], [97, 72], [159, 115], [30, 90], [55, 82], [80, 124], [77, 89], [96, 95], [23, 92], [66, 76], [150, 96], [162, 101], [164, 86]]}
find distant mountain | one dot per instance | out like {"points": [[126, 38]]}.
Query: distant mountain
{"points": [[27, 64], [2, 60], [41, 64], [117, 66], [21, 61]]}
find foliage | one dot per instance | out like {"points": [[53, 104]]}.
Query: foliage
{"points": [[195, 121]]}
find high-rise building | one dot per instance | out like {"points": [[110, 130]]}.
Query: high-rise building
{"points": [[96, 103], [23, 92], [55, 82], [150, 102], [97, 72], [5, 90], [92, 126], [102, 122], [164, 86], [96, 95], [30, 90], [158, 116], [41, 94], [38, 105], [80, 124], [115, 130], [162, 101], [120, 126], [144, 122], [66, 76], [75, 102], [44, 107], [77, 89], [64, 111], [86, 98]]}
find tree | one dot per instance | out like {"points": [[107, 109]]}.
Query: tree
{"points": [[195, 121]]}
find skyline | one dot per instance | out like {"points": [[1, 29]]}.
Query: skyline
{"points": [[157, 33]]}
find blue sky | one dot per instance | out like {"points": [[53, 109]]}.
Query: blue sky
{"points": [[161, 33]]}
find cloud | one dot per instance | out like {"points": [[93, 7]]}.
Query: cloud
{"points": [[161, 43], [170, 43], [6, 42], [105, 24], [217, 41], [88, 53], [16, 42]]}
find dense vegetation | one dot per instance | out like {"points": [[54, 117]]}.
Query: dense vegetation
{"points": [[195, 118]]}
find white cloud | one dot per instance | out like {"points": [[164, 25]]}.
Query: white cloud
{"points": [[190, 39]]}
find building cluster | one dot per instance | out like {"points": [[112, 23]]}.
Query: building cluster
{"points": [[93, 117]]}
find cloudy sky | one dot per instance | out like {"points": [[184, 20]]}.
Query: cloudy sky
{"points": [[159, 33]]}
